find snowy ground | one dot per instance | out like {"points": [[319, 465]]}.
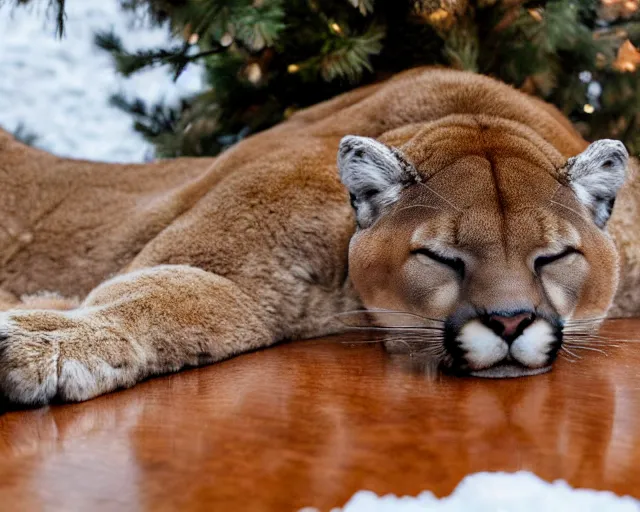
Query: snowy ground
{"points": [[60, 89], [491, 492]]}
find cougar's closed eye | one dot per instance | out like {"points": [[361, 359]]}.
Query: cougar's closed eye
{"points": [[544, 260], [456, 264]]}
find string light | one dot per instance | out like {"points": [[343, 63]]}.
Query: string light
{"points": [[438, 15], [588, 108], [254, 73], [336, 28], [585, 77], [535, 14], [293, 68]]}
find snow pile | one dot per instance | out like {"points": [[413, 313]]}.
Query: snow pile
{"points": [[490, 492], [60, 89]]}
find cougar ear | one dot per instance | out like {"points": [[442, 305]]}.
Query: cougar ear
{"points": [[374, 174], [596, 175]]}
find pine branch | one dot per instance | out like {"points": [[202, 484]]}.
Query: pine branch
{"points": [[364, 6], [177, 57], [264, 59], [260, 26], [462, 46], [58, 6], [24, 135], [60, 17], [346, 56], [149, 121], [157, 11]]}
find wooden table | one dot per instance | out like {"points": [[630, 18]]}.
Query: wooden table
{"points": [[311, 423]]}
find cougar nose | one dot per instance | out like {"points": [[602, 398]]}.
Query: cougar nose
{"points": [[510, 327]]}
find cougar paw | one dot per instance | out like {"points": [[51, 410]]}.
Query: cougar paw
{"points": [[28, 363]]}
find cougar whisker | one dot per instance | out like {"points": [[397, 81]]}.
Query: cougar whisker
{"points": [[593, 349], [440, 196], [571, 210], [388, 311], [398, 210], [569, 352]]}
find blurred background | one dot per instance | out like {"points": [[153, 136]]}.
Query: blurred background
{"points": [[133, 80], [55, 93]]}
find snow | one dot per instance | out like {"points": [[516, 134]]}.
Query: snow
{"points": [[490, 492], [60, 89]]}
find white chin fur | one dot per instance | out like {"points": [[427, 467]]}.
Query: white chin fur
{"points": [[509, 371]]}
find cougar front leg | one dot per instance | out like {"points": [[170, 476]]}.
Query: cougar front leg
{"points": [[152, 321]]}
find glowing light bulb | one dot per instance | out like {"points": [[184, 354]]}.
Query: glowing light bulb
{"points": [[438, 15], [254, 73], [535, 14]]}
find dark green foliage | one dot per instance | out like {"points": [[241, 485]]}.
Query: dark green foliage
{"points": [[249, 52], [24, 135], [264, 59], [54, 6], [127, 63]]}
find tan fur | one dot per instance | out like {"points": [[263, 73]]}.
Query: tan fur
{"points": [[214, 257]]}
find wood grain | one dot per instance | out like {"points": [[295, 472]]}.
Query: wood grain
{"points": [[310, 423]]}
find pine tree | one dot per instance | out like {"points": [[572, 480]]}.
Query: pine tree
{"points": [[264, 59], [55, 6]]}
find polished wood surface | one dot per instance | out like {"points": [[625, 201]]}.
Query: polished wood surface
{"points": [[310, 423]]}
